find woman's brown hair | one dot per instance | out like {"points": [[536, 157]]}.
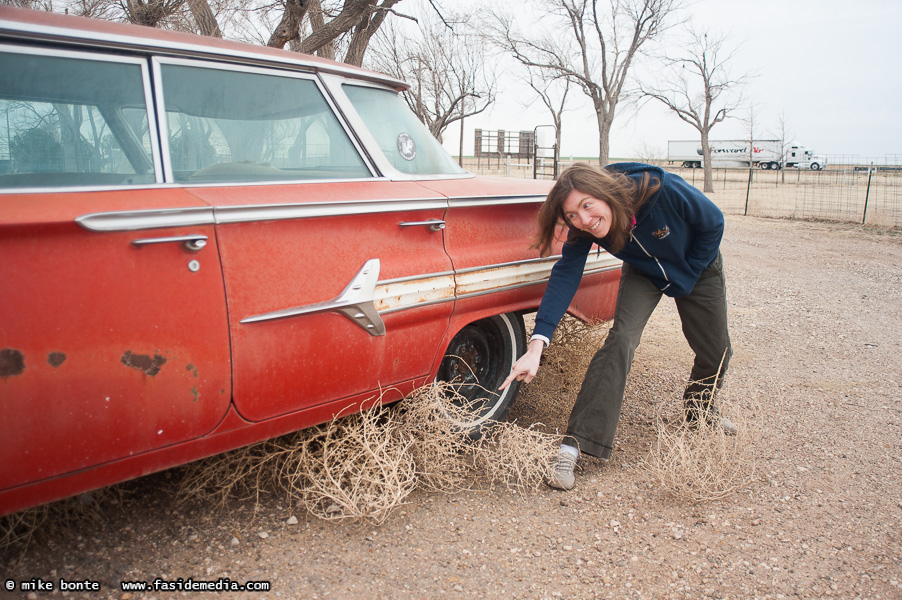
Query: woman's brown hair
{"points": [[623, 194]]}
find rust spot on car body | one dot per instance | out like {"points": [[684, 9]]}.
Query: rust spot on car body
{"points": [[12, 362], [55, 359], [143, 362]]}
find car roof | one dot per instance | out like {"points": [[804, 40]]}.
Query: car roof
{"points": [[31, 25]]}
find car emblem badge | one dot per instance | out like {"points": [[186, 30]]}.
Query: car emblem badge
{"points": [[406, 146]]}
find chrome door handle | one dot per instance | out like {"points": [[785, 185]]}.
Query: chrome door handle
{"points": [[433, 225], [192, 241]]}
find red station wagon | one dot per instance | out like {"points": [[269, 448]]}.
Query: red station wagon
{"points": [[206, 244]]}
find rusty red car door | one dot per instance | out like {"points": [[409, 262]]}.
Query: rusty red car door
{"points": [[113, 329], [335, 290], [113, 341]]}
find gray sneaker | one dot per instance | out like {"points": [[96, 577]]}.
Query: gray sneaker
{"points": [[562, 476]]}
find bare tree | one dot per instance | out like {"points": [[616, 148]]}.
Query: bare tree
{"points": [[309, 26], [648, 153], [358, 18], [751, 129], [445, 67], [699, 89], [45, 5], [149, 12], [552, 91], [597, 52], [94, 9], [204, 17], [782, 133]]}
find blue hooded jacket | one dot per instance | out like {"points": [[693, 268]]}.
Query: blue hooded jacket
{"points": [[676, 236]]}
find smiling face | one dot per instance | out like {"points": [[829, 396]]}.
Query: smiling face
{"points": [[588, 213]]}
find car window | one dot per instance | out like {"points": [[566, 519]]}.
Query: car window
{"points": [[231, 126], [71, 121], [405, 141]]}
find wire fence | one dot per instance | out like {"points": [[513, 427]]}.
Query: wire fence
{"points": [[858, 191], [870, 196]]}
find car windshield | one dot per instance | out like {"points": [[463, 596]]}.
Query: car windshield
{"points": [[405, 141]]}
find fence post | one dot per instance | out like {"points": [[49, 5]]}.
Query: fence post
{"points": [[866, 194], [748, 190]]}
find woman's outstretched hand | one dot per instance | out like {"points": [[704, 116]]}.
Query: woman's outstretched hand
{"points": [[527, 366]]}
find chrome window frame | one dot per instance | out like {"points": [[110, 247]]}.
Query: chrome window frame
{"points": [[157, 64], [333, 84], [152, 131]]}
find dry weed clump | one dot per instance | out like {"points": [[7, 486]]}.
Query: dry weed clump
{"points": [[517, 457], [701, 462], [24, 526], [549, 397], [352, 467], [242, 474], [364, 465], [441, 451], [566, 360]]}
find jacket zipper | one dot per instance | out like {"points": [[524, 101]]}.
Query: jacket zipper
{"points": [[663, 272]]}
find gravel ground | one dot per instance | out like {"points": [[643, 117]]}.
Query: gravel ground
{"points": [[815, 321]]}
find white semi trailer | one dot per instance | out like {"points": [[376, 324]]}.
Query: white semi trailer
{"points": [[764, 154]]}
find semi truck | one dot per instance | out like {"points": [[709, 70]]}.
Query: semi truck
{"points": [[764, 154]]}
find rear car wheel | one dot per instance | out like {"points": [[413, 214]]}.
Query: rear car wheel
{"points": [[477, 361]]}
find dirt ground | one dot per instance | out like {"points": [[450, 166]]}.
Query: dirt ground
{"points": [[815, 320]]}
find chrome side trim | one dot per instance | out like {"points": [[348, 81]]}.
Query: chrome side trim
{"points": [[365, 299], [135, 220], [553, 259], [414, 278], [493, 278], [355, 303], [132, 220], [495, 200], [414, 292], [243, 214], [529, 283]]}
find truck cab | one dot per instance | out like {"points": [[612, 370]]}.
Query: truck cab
{"points": [[801, 157]]}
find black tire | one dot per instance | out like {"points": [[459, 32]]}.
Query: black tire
{"points": [[478, 360], [815, 166], [764, 165]]}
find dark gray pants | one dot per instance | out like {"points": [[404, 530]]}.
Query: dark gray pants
{"points": [[593, 421]]}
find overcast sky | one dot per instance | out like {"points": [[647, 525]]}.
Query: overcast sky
{"points": [[829, 66]]}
